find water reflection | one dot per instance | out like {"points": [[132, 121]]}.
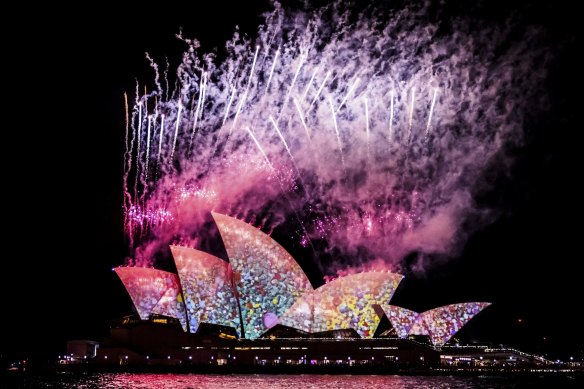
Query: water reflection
{"points": [[184, 381]]}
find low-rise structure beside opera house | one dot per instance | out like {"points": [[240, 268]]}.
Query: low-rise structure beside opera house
{"points": [[259, 309]]}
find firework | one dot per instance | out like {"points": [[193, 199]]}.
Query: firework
{"points": [[368, 134]]}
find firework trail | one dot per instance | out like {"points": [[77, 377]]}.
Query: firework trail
{"points": [[390, 125], [274, 62], [390, 116], [431, 111], [158, 159], [301, 117], [242, 101]]}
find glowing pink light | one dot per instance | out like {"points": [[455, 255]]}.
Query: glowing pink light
{"points": [[138, 215], [199, 193]]}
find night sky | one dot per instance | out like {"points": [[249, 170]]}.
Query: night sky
{"points": [[64, 185]]}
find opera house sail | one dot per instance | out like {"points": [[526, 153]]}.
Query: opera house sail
{"points": [[440, 324], [207, 288], [153, 291], [267, 278], [344, 303]]}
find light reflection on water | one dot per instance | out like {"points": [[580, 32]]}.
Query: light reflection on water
{"points": [[184, 381]]}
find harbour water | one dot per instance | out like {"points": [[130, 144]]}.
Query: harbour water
{"points": [[209, 381]]}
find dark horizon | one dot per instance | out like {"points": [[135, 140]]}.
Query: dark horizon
{"points": [[70, 232]]}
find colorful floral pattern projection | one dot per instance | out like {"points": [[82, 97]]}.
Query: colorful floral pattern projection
{"points": [[441, 323], [153, 289], [344, 303], [401, 319], [207, 288], [172, 305], [418, 326], [267, 278]]}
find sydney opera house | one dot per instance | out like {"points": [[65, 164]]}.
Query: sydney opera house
{"points": [[260, 308]]}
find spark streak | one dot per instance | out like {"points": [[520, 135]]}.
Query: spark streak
{"points": [[127, 118], [283, 140], [272, 69], [302, 58], [309, 83], [337, 131], [391, 115], [229, 106], [351, 89], [139, 126], [160, 139], [367, 119], [411, 118], [244, 96], [431, 111], [148, 146], [200, 102], [175, 131], [302, 119], [319, 90], [259, 147]]}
